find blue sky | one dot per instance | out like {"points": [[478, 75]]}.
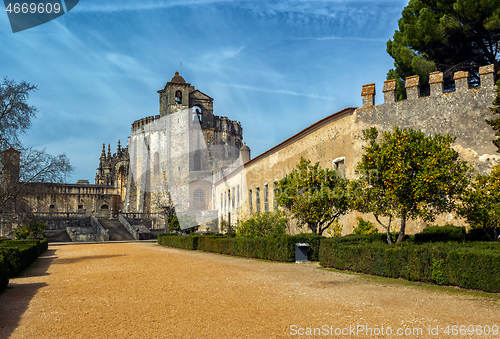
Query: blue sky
{"points": [[275, 66]]}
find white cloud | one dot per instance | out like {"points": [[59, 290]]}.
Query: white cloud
{"points": [[278, 91]]}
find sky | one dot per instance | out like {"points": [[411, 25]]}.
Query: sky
{"points": [[275, 66]]}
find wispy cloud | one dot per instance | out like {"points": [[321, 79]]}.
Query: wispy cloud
{"points": [[354, 38], [278, 91], [141, 6]]}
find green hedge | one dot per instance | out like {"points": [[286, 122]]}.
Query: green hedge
{"points": [[441, 233], [469, 266], [280, 248], [19, 254], [4, 273]]}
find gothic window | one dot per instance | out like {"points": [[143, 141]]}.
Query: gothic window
{"points": [[197, 162], [105, 207], [178, 97], [198, 195], [52, 207], [157, 162]]}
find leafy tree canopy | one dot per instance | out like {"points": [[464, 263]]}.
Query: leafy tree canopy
{"points": [[407, 176], [447, 36], [314, 196], [481, 203]]}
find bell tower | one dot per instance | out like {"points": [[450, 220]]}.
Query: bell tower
{"points": [[175, 95]]}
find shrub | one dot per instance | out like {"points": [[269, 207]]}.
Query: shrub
{"points": [[263, 225], [31, 230], [476, 265], [364, 227], [447, 232], [4, 273], [335, 229], [227, 228]]}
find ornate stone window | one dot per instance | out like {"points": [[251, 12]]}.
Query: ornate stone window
{"points": [[198, 195]]}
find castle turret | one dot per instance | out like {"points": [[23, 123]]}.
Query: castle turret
{"points": [[245, 153], [175, 95]]}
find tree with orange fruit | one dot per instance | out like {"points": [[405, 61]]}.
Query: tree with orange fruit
{"points": [[481, 203], [408, 175]]}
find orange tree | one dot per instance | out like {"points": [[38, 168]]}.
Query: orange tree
{"points": [[481, 203], [314, 196], [408, 176]]}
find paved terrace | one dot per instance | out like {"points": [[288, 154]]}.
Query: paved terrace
{"points": [[142, 290]]}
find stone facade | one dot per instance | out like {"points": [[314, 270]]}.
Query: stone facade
{"points": [[188, 158], [173, 158], [337, 140]]}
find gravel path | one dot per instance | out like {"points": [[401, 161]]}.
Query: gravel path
{"points": [[142, 290]]}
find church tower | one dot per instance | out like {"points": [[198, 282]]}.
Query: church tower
{"points": [[175, 96]]}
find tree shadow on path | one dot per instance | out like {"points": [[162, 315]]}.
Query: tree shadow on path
{"points": [[15, 300]]}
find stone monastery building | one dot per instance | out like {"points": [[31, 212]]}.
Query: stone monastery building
{"points": [[195, 161]]}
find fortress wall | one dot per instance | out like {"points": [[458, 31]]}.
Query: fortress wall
{"points": [[460, 113]]}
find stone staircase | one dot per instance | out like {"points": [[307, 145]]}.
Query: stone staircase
{"points": [[116, 230], [57, 235]]}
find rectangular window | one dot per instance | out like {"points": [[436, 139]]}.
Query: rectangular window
{"points": [[266, 198], [221, 201], [250, 203], [238, 195], [275, 193], [229, 199], [257, 199]]}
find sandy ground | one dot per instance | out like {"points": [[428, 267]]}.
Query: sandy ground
{"points": [[142, 290]]}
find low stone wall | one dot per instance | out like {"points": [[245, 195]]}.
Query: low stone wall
{"points": [[138, 231], [99, 231], [83, 234]]}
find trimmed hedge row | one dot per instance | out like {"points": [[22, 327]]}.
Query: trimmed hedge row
{"points": [[271, 248], [17, 255], [469, 266], [4, 273]]}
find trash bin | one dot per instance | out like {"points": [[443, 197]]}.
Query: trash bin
{"points": [[301, 252]]}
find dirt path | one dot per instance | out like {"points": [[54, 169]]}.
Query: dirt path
{"points": [[146, 291]]}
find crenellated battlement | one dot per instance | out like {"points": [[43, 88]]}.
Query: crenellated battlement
{"points": [[412, 85], [144, 121]]}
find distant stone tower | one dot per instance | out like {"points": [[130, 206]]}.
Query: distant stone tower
{"points": [[175, 96], [11, 160], [198, 143], [114, 171]]}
